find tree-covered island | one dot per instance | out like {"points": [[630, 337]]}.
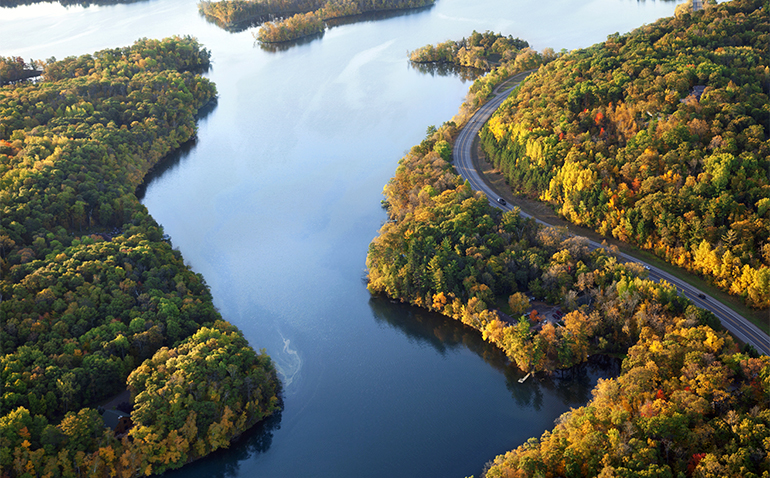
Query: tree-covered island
{"points": [[688, 401], [482, 51], [301, 25], [93, 299], [296, 18]]}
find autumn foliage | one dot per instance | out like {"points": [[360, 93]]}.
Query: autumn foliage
{"points": [[303, 24], [659, 138], [687, 402], [446, 249], [91, 292]]}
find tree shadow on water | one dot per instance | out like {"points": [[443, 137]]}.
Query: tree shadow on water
{"points": [[286, 45], [376, 16], [173, 159], [572, 387], [226, 462], [441, 68], [436, 330]]}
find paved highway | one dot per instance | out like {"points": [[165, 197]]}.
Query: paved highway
{"points": [[463, 161]]}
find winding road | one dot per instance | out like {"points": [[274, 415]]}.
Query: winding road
{"points": [[741, 328]]}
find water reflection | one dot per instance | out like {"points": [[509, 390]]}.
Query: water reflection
{"points": [[447, 69], [572, 386], [225, 463], [376, 16], [172, 160], [285, 45], [237, 27], [439, 332]]}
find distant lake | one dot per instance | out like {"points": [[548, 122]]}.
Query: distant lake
{"points": [[276, 201]]}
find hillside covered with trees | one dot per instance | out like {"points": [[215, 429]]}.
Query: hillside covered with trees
{"points": [[688, 401], [659, 138], [685, 404], [447, 250], [93, 299]]}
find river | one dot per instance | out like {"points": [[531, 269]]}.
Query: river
{"points": [[276, 202]]}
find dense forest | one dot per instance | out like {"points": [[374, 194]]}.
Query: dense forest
{"points": [[480, 50], [687, 403], [447, 250], [658, 137], [93, 299], [229, 13], [301, 25], [292, 28], [299, 18]]}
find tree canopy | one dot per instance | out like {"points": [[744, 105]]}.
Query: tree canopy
{"points": [[90, 287], [687, 402], [297, 18], [658, 137]]}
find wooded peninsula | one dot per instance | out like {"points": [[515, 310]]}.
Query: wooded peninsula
{"points": [[689, 401], [93, 299], [298, 18]]}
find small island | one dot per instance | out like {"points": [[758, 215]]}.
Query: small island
{"points": [[297, 19], [481, 51], [94, 301], [295, 27]]}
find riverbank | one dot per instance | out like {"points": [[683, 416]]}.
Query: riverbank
{"points": [[118, 309], [493, 178]]}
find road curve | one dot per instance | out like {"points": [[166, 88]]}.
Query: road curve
{"points": [[741, 328]]}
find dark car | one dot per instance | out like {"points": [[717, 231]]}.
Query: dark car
{"points": [[501, 201], [702, 296]]}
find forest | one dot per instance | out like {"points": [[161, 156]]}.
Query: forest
{"points": [[659, 138], [301, 25], [497, 57], [689, 401], [297, 18], [480, 51], [445, 249], [93, 298], [16, 69], [292, 28]]}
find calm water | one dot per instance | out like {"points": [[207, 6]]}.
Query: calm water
{"points": [[277, 201]]}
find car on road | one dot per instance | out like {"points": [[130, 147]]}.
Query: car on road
{"points": [[501, 201], [702, 296]]}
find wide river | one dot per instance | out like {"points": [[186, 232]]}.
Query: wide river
{"points": [[277, 200]]}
